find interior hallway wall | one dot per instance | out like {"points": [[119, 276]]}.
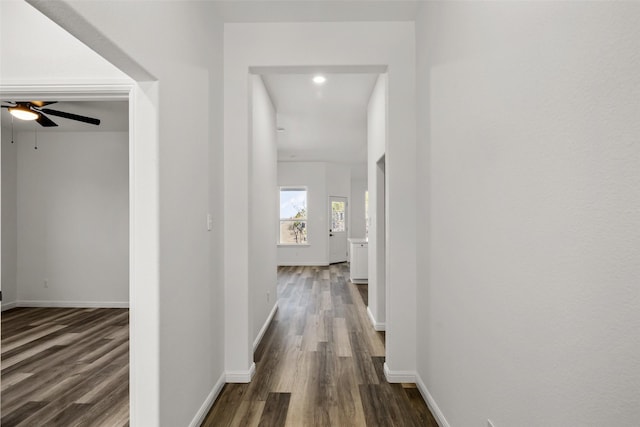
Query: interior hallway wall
{"points": [[357, 219], [530, 209], [376, 146], [263, 277], [9, 206], [176, 387]]}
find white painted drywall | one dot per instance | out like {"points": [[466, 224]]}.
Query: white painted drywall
{"points": [[9, 219], [263, 206], [313, 44], [376, 145], [528, 264], [357, 222], [181, 302], [338, 180], [313, 176], [73, 218], [37, 51]]}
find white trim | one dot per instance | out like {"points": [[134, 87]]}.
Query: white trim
{"points": [[208, 403], [431, 403], [9, 305], [303, 264], [119, 90], [256, 342], [399, 376], [378, 326], [241, 376], [74, 304]]}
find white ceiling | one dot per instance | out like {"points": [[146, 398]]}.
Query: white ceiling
{"points": [[113, 115], [322, 122]]}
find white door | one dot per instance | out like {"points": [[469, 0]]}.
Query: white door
{"points": [[337, 229]]}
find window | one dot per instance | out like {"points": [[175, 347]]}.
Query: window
{"points": [[337, 216], [293, 216]]}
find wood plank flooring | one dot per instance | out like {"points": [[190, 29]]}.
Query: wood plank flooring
{"points": [[65, 367], [320, 363]]}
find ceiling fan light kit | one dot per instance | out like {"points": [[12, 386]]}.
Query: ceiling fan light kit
{"points": [[34, 110], [22, 113]]}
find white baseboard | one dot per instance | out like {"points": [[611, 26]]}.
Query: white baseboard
{"points": [[433, 406], [399, 376], [241, 376], [74, 304], [9, 305], [378, 326], [304, 264], [208, 403], [256, 342]]}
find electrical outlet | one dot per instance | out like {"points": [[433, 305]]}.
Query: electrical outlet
{"points": [[490, 423], [46, 283]]}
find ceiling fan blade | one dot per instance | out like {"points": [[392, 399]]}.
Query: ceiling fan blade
{"points": [[71, 116], [45, 121], [42, 103]]}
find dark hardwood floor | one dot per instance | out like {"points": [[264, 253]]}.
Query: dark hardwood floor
{"points": [[320, 363], [65, 367]]}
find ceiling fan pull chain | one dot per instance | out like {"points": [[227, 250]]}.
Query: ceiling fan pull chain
{"points": [[12, 128], [36, 147]]}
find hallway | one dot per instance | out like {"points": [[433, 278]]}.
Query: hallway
{"points": [[320, 363]]}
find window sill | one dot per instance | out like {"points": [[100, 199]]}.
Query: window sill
{"points": [[293, 245]]}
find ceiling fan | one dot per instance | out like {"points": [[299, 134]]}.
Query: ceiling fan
{"points": [[35, 110]]}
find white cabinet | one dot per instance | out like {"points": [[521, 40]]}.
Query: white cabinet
{"points": [[359, 260]]}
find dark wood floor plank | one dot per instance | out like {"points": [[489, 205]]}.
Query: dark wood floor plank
{"points": [[23, 412], [275, 410], [224, 410], [420, 408]]}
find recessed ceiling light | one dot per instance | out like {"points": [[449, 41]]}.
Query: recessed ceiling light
{"points": [[280, 129], [319, 79]]}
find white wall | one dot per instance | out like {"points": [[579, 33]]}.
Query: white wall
{"points": [[376, 146], [180, 150], [312, 175], [531, 235], [357, 206], [73, 218], [30, 61], [263, 206], [9, 219], [338, 181]]}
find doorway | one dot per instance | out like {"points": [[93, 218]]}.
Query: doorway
{"points": [[66, 215], [337, 229]]}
